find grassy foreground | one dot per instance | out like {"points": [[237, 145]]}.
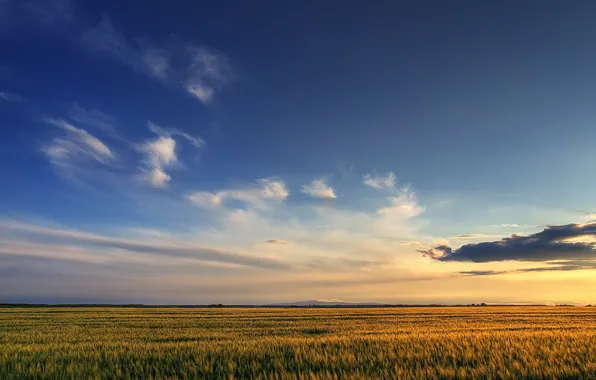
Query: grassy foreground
{"points": [[158, 343]]}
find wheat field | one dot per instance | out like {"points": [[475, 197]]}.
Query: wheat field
{"points": [[278, 343]]}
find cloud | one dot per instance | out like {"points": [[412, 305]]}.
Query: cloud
{"points": [[204, 199], [345, 170], [318, 188], [79, 146], [274, 189], [380, 182], [555, 266], [157, 62], [241, 234], [48, 13], [343, 264], [202, 72], [107, 41], [566, 242], [262, 193], [196, 140], [200, 91], [508, 226], [471, 236], [160, 152], [266, 190], [92, 118], [193, 251], [209, 72], [482, 272], [157, 177], [75, 146], [10, 97], [402, 205], [104, 39], [277, 241]]}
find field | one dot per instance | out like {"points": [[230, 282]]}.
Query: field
{"points": [[202, 343]]}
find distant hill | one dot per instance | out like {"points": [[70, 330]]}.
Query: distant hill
{"points": [[324, 303]]}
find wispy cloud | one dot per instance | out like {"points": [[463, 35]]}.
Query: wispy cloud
{"points": [[319, 188], [242, 231], [75, 146], [566, 242], [277, 241], [160, 152], [209, 72], [264, 192], [105, 40], [43, 233], [195, 140], [92, 118], [11, 97], [205, 198], [507, 226], [554, 266], [200, 71], [157, 62], [48, 13], [345, 170], [379, 181], [472, 236], [243, 217], [404, 204]]}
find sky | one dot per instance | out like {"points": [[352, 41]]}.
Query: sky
{"points": [[258, 152]]}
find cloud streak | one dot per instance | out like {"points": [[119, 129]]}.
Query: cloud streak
{"points": [[555, 266], [49, 234], [10, 97], [277, 241], [196, 141], [566, 242], [75, 146], [242, 235], [379, 181], [201, 72], [48, 13], [262, 193], [471, 236], [208, 73], [402, 205], [319, 188], [105, 40], [92, 118]]}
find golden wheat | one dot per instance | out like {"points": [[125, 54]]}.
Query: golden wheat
{"points": [[203, 343]]}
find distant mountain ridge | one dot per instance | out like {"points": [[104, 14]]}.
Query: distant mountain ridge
{"points": [[324, 303]]}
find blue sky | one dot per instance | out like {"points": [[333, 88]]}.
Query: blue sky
{"points": [[264, 152]]}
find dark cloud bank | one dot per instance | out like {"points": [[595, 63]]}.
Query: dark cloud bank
{"points": [[552, 246]]}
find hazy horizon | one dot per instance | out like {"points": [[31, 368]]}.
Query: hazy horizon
{"points": [[302, 303]]}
